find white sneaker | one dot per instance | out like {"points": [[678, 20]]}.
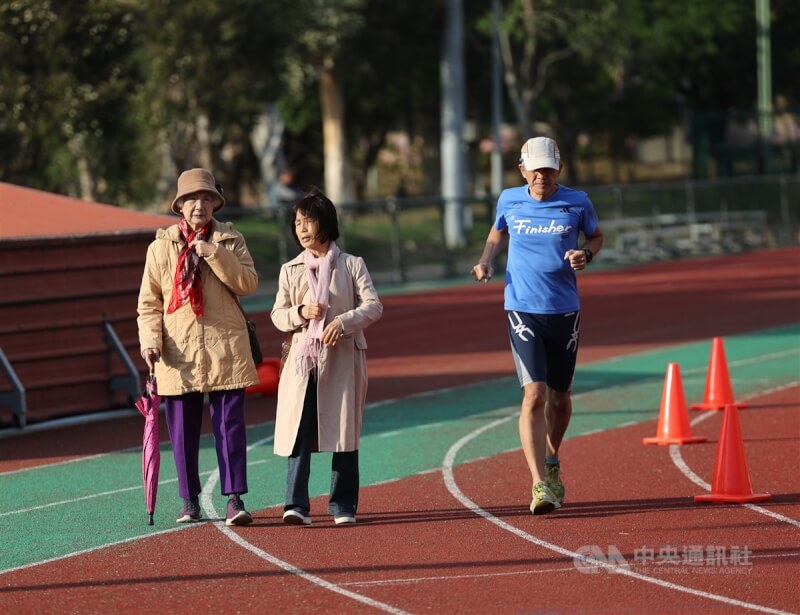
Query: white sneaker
{"points": [[340, 519], [295, 517]]}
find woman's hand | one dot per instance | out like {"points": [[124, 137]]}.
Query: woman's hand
{"points": [[204, 248], [332, 332], [151, 356], [312, 311]]}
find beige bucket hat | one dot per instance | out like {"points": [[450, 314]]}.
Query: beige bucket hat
{"points": [[197, 180]]}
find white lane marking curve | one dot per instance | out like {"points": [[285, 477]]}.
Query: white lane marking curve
{"points": [[680, 462], [455, 491], [211, 512]]}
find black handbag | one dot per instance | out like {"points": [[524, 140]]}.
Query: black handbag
{"points": [[255, 346]]}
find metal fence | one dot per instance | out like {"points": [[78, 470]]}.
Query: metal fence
{"points": [[402, 239]]}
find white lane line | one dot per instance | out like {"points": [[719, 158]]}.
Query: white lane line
{"points": [[384, 402], [680, 463], [73, 500], [395, 432], [456, 577], [696, 478], [390, 434], [97, 548], [105, 493], [117, 542], [455, 491], [130, 449], [489, 575], [59, 463], [125, 489], [137, 487], [211, 512]]}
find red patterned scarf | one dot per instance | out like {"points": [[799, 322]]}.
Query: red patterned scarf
{"points": [[188, 285]]}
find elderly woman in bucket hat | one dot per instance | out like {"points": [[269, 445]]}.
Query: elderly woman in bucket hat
{"points": [[193, 336]]}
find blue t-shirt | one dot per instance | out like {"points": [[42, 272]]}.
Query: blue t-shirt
{"points": [[538, 278]]}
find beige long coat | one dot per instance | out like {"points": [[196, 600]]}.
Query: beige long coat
{"points": [[208, 353], [342, 378]]}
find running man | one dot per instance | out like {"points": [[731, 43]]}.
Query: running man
{"points": [[541, 222]]}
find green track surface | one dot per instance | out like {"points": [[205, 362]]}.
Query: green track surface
{"points": [[52, 511]]}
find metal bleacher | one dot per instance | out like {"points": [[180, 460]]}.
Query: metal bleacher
{"points": [[67, 313]]}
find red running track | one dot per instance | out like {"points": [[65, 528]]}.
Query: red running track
{"points": [[418, 549]]}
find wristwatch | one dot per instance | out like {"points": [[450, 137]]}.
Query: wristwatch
{"points": [[589, 255]]}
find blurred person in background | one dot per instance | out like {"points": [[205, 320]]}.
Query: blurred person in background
{"points": [[194, 337], [786, 135], [540, 223], [325, 300], [785, 128], [282, 193]]}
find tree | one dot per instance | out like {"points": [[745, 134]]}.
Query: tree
{"points": [[614, 69], [386, 70], [327, 25], [109, 99], [212, 67], [65, 82], [392, 83]]}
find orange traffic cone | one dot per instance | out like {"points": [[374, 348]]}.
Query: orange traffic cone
{"points": [[719, 392], [268, 373], [673, 419], [731, 482]]}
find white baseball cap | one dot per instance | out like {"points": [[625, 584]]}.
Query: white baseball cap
{"points": [[540, 153]]}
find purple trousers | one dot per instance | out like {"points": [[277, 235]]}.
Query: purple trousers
{"points": [[184, 421]]}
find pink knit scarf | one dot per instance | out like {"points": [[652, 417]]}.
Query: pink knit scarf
{"points": [[319, 287]]}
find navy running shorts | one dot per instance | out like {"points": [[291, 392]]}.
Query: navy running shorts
{"points": [[545, 347]]}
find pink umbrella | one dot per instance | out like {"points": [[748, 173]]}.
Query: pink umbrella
{"points": [[148, 405]]}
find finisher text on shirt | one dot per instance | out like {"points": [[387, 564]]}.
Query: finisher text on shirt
{"points": [[524, 227]]}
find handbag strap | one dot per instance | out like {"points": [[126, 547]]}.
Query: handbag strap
{"points": [[238, 303], [234, 295]]}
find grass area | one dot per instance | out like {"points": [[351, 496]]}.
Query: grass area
{"points": [[409, 244], [262, 236], [411, 238]]}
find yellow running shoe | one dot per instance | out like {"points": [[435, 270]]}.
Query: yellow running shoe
{"points": [[544, 501], [552, 476]]}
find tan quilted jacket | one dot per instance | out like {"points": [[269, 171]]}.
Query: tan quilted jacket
{"points": [[208, 353]]}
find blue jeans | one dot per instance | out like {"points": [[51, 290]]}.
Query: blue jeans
{"points": [[343, 498]]}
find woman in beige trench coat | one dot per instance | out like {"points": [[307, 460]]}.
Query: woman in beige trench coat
{"points": [[325, 299]]}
